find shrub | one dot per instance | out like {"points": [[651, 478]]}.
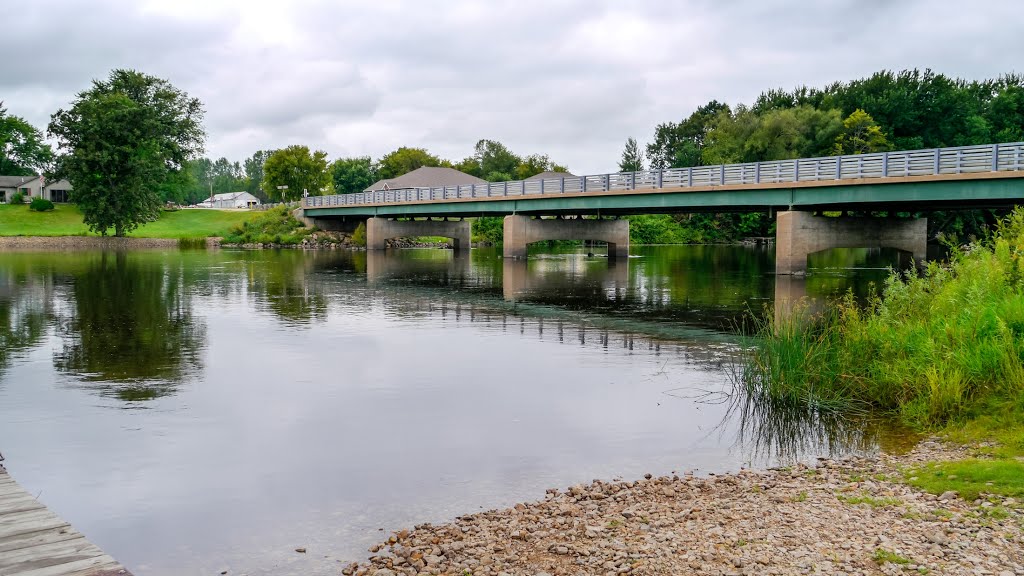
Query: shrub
{"points": [[16, 198], [274, 226], [359, 236], [40, 205]]}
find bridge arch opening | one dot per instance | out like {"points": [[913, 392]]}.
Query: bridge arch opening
{"points": [[521, 231]]}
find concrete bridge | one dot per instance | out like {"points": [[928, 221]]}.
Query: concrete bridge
{"points": [[987, 176]]}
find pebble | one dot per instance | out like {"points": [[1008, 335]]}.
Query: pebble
{"points": [[781, 521]]}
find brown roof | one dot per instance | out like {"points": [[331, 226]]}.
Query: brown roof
{"points": [[427, 177], [550, 174]]}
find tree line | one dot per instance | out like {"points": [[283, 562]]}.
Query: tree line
{"points": [[132, 142]]}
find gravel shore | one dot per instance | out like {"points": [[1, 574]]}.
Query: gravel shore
{"points": [[839, 517], [21, 243]]}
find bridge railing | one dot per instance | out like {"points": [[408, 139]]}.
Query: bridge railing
{"points": [[1007, 157]]}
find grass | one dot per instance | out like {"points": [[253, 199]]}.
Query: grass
{"points": [[66, 220], [970, 478], [943, 349], [882, 556]]}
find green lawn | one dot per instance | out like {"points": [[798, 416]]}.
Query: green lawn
{"points": [[66, 220]]}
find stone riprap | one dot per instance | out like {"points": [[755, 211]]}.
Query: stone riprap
{"points": [[840, 517]]}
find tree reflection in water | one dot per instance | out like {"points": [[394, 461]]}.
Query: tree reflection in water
{"points": [[24, 311], [129, 332]]}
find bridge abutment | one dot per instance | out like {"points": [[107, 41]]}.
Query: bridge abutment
{"points": [[799, 234], [379, 230], [520, 231]]}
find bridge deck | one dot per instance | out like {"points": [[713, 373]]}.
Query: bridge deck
{"points": [[36, 542], [967, 176]]}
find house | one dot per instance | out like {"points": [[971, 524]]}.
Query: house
{"points": [[28, 185], [34, 187], [426, 177], [233, 200], [58, 191]]}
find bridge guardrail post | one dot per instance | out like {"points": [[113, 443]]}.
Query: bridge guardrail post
{"points": [[937, 167], [561, 186], [885, 164], [839, 167], [722, 174], [689, 177], [995, 157], [757, 172], [661, 178], [607, 182]]}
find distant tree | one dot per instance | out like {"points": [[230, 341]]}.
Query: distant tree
{"points": [[298, 169], [860, 135], [632, 158], [253, 167], [123, 138], [22, 150], [470, 166], [798, 132], [535, 164], [352, 175], [499, 177], [493, 156], [681, 145], [405, 160]]}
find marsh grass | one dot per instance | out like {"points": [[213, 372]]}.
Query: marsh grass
{"points": [[941, 348]]}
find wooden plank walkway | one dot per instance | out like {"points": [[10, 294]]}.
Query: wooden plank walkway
{"points": [[35, 542]]}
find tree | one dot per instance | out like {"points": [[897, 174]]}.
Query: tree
{"points": [[122, 139], [493, 156], [860, 135], [632, 157], [298, 169], [254, 174], [353, 175], [681, 145], [405, 160], [535, 164], [22, 150]]}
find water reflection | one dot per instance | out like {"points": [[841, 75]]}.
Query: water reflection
{"points": [[25, 309], [130, 331]]}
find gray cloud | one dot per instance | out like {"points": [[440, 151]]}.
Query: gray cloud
{"points": [[571, 79]]}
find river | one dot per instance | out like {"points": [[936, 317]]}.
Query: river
{"points": [[193, 412]]}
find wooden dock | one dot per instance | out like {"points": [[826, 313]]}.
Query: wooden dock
{"points": [[36, 542]]}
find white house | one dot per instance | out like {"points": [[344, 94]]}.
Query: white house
{"points": [[233, 200], [34, 187]]}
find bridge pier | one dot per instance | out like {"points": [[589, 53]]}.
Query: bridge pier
{"points": [[379, 230], [519, 231], [798, 234]]}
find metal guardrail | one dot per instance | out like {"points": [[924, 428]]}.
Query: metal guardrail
{"points": [[1007, 157]]}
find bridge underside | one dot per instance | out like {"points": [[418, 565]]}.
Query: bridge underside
{"points": [[520, 231], [380, 230]]}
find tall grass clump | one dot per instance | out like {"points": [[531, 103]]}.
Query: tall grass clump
{"points": [[192, 243], [275, 226], [940, 347]]}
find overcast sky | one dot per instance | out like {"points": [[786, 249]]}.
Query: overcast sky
{"points": [[571, 79]]}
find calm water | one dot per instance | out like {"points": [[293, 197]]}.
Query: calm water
{"points": [[194, 412]]}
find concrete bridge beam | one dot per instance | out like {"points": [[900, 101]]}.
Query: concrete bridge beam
{"points": [[799, 234], [523, 230], [379, 230]]}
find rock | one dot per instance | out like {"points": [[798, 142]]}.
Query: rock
{"points": [[948, 495]]}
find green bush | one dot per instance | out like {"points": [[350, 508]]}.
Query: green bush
{"points": [[488, 229], [16, 198], [274, 226], [938, 348], [359, 236], [40, 205]]}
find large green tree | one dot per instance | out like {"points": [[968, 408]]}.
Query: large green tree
{"points": [[681, 145], [405, 160], [299, 169], [122, 139], [860, 135], [22, 149], [353, 175]]}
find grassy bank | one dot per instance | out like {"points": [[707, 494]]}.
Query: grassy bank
{"points": [[274, 226], [942, 351], [66, 220]]}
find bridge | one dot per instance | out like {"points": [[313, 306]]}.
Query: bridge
{"points": [[966, 177]]}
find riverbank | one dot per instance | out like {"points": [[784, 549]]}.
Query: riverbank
{"points": [[71, 243], [849, 516]]}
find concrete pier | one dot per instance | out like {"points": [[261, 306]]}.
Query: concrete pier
{"points": [[521, 231], [379, 230], [801, 233]]}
